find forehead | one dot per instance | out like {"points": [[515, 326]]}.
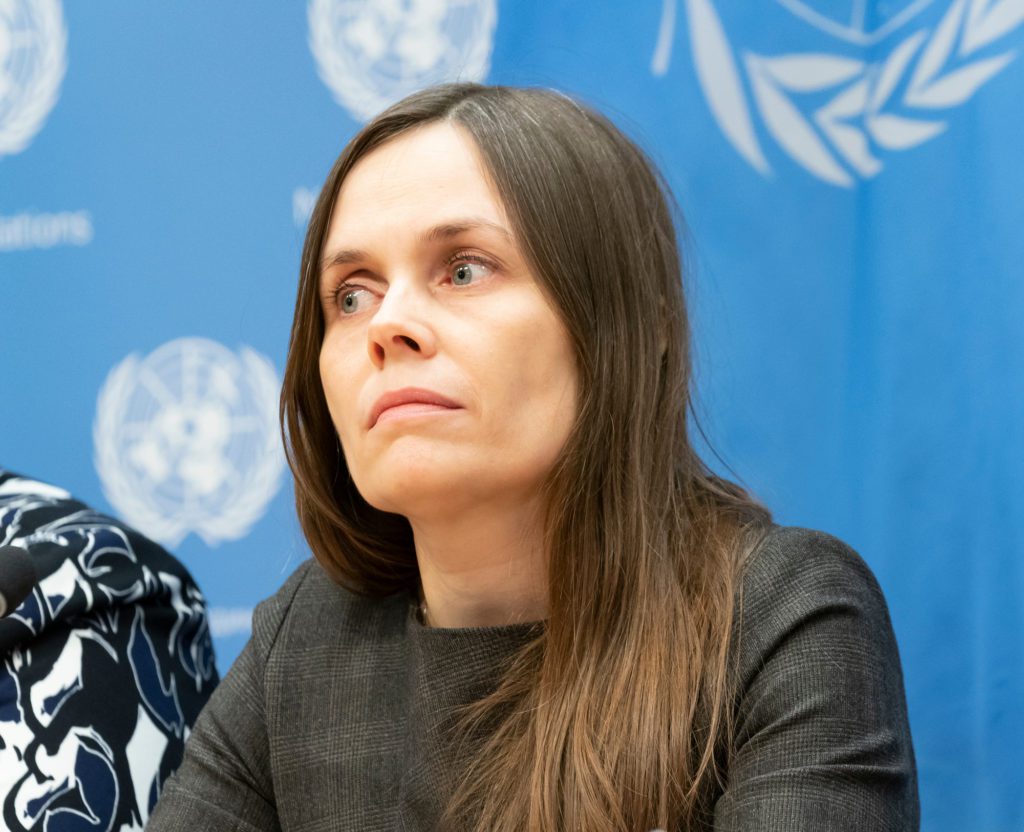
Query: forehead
{"points": [[417, 179]]}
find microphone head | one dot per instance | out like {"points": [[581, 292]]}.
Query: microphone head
{"points": [[17, 577]]}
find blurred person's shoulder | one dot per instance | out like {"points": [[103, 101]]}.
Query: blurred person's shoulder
{"points": [[108, 659], [86, 562]]}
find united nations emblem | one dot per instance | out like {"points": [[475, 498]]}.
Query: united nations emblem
{"points": [[186, 439], [33, 45], [834, 112], [371, 53]]}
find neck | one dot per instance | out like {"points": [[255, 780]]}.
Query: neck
{"points": [[482, 570]]}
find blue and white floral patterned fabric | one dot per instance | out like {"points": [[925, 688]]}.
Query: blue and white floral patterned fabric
{"points": [[103, 668]]}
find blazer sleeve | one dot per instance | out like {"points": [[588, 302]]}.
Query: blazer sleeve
{"points": [[225, 780], [822, 740]]}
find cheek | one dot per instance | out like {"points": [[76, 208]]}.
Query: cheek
{"points": [[539, 389], [340, 386]]}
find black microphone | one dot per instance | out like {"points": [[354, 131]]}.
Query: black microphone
{"points": [[17, 577]]}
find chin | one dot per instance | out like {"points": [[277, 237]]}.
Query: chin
{"points": [[417, 477], [421, 499], [412, 486]]}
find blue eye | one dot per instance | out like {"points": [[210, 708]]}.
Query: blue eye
{"points": [[465, 272], [348, 299]]}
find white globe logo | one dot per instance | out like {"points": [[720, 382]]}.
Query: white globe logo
{"points": [[371, 53], [187, 440], [895, 101], [33, 45]]}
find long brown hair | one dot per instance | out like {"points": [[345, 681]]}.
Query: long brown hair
{"points": [[616, 716]]}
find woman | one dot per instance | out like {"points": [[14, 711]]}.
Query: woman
{"points": [[532, 605]]}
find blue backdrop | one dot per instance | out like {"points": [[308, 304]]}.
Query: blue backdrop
{"points": [[851, 174]]}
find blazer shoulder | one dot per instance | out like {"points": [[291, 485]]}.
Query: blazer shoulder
{"points": [[797, 576], [311, 610], [793, 562]]}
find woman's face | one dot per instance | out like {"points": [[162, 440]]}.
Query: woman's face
{"points": [[448, 375]]}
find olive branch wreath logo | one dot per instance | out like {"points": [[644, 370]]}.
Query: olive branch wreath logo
{"points": [[30, 105], [892, 104], [363, 91], [231, 520]]}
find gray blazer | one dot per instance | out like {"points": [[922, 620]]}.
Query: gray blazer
{"points": [[331, 719]]}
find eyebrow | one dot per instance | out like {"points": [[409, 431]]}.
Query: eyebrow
{"points": [[438, 233]]}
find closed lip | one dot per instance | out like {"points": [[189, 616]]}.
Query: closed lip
{"points": [[408, 395]]}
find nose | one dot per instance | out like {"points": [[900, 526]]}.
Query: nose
{"points": [[399, 327]]}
